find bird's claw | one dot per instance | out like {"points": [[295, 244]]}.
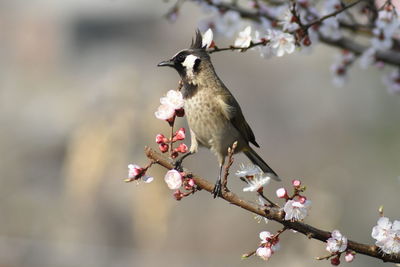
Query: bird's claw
{"points": [[217, 191]]}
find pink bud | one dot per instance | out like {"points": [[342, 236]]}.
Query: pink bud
{"points": [[180, 134], [281, 193], [335, 261], [178, 195], [135, 171], [160, 138], [182, 148], [302, 199], [296, 183], [163, 147], [349, 257], [180, 112], [191, 182]]}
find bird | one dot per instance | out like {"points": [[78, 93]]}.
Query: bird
{"points": [[214, 116]]}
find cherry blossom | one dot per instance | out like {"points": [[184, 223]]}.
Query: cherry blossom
{"points": [[174, 99], [289, 22], [330, 29], [337, 242], [207, 40], [165, 112], [173, 179], [387, 235], [136, 172], [392, 82], [296, 211], [244, 38], [281, 42]]}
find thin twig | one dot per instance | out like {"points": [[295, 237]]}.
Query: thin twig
{"points": [[241, 49], [268, 200], [318, 21], [228, 165], [277, 215]]}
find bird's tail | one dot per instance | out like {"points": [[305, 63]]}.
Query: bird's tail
{"points": [[257, 160]]}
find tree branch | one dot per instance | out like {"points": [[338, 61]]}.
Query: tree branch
{"points": [[389, 57], [276, 214]]}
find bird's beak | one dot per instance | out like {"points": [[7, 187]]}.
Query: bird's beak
{"points": [[168, 63]]}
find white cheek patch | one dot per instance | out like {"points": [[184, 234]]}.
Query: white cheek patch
{"points": [[189, 62]]}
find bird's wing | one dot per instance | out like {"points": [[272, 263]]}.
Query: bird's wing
{"points": [[231, 110]]}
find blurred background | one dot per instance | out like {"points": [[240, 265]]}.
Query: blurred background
{"points": [[78, 90]]}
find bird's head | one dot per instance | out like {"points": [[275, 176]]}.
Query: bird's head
{"points": [[190, 62]]}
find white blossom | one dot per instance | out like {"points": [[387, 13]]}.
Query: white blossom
{"points": [[367, 58], [244, 38], [392, 82], [288, 22], [296, 211], [336, 243], [281, 42], [264, 253], [387, 235], [381, 40], [174, 99], [265, 50], [173, 179], [228, 24], [256, 183], [339, 72], [165, 112], [207, 38], [330, 29]]}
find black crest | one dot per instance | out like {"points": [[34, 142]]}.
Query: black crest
{"points": [[198, 42]]}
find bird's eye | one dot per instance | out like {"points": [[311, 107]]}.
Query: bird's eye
{"points": [[180, 58]]}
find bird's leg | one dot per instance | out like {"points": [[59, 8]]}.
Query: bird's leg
{"points": [[218, 186], [178, 163]]}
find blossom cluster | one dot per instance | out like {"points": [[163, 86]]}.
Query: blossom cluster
{"points": [[175, 180], [336, 245], [387, 235], [269, 244], [171, 106], [164, 143], [296, 206], [277, 29]]}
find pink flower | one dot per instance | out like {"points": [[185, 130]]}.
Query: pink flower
{"points": [[173, 179], [296, 183]]}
